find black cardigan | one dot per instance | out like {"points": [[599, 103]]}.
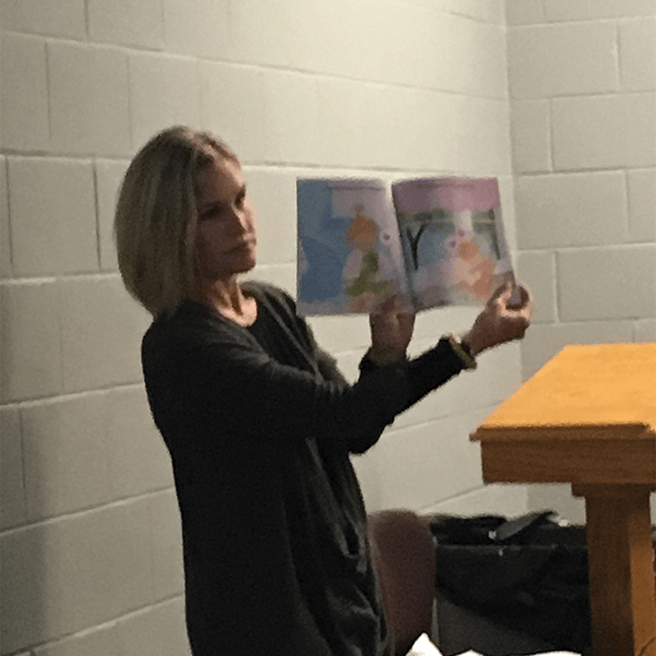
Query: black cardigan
{"points": [[260, 424]]}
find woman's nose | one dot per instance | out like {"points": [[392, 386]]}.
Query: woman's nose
{"points": [[240, 219]]}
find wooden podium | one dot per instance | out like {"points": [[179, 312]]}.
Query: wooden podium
{"points": [[588, 418]]}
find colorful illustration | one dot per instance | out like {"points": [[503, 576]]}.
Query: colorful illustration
{"points": [[439, 242], [368, 273], [350, 258], [453, 241]]}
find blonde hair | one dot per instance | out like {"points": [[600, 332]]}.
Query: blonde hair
{"points": [[156, 214]]}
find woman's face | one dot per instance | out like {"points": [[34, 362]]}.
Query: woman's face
{"points": [[224, 242]]}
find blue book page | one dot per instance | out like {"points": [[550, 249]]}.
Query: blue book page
{"points": [[349, 253]]}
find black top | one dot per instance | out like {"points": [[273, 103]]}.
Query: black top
{"points": [[260, 424]]}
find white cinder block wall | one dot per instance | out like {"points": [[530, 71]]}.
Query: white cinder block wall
{"points": [[89, 532], [582, 79]]}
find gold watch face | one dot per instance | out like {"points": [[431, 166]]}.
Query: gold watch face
{"points": [[467, 359]]}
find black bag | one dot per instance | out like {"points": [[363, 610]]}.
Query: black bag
{"points": [[529, 574]]}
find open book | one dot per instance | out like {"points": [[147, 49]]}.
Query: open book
{"points": [[432, 242]]}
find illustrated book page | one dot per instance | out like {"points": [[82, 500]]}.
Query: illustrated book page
{"points": [[430, 242]]}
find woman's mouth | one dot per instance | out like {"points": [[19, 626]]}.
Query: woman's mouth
{"points": [[243, 246]]}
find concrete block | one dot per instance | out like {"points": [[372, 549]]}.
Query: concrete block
{"points": [[554, 60], [607, 283], [596, 132], [423, 464], [642, 204], [566, 10], [524, 12], [30, 341], [571, 210], [281, 275], [24, 94], [102, 329], [292, 118], [12, 488], [543, 341], [350, 122], [66, 455], [232, 106], [530, 126], [537, 270], [103, 641], [509, 214], [637, 48], [166, 545], [497, 376], [290, 35], [397, 135], [64, 18], [471, 57], [339, 334], [304, 35], [164, 91], [483, 137], [53, 216], [204, 32], [470, 54], [109, 175], [644, 330], [559, 498], [5, 238], [156, 631], [272, 194], [498, 499], [138, 460], [488, 11], [366, 470], [137, 23], [30, 604], [89, 105], [105, 565]]}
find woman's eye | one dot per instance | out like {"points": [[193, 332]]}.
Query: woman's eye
{"points": [[211, 213]]}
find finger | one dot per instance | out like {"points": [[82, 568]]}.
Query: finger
{"points": [[385, 307], [406, 321], [520, 300], [501, 297], [505, 288], [528, 306]]}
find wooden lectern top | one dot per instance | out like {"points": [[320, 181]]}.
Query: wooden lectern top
{"points": [[599, 390]]}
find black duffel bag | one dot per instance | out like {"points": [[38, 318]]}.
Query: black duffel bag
{"points": [[529, 574]]}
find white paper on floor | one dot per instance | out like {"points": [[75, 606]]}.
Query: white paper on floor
{"points": [[424, 647]]}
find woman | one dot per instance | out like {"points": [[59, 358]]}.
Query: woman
{"points": [[258, 421]]}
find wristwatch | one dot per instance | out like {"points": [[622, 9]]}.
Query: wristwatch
{"points": [[462, 351]]}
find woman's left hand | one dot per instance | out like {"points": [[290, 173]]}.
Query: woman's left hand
{"points": [[500, 320], [391, 331]]}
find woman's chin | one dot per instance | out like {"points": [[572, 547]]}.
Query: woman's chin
{"points": [[250, 263]]}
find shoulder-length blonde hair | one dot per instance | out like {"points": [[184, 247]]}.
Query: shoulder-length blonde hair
{"points": [[156, 215]]}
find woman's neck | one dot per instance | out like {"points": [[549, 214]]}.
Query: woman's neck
{"points": [[227, 297]]}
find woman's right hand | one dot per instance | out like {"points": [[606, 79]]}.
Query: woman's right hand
{"points": [[391, 331], [500, 321]]}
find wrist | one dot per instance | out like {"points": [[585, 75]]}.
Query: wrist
{"points": [[471, 342], [382, 357]]}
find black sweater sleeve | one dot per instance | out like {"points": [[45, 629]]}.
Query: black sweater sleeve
{"points": [[219, 377]]}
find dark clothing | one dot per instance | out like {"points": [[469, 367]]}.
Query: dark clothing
{"points": [[260, 425]]}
